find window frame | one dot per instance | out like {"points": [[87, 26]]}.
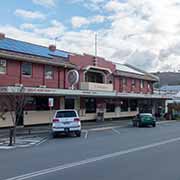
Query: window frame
{"points": [[25, 75], [142, 84], [124, 81], [133, 83], [52, 68], [1, 60]]}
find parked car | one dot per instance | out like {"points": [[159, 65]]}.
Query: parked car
{"points": [[144, 119], [66, 121]]}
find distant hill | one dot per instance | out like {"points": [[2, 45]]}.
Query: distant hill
{"points": [[168, 78]]}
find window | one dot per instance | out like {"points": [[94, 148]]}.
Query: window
{"points": [[142, 84], [27, 69], [110, 107], [124, 81], [133, 82], [124, 105], [94, 77], [49, 74], [90, 105], [64, 114], [133, 105], [2, 66]]}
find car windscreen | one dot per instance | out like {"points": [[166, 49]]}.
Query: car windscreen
{"points": [[64, 114], [146, 117]]}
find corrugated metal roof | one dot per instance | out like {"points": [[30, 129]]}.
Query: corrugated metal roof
{"points": [[28, 48], [170, 88], [124, 68]]}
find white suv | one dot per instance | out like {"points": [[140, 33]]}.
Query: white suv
{"points": [[66, 121]]}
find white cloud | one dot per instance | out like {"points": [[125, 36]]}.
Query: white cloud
{"points": [[93, 5], [27, 26], [29, 14], [45, 3], [55, 29], [144, 33], [79, 21]]}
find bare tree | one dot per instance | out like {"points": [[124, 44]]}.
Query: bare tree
{"points": [[13, 103]]}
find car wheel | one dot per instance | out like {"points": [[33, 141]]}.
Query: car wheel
{"points": [[78, 133], [154, 125]]}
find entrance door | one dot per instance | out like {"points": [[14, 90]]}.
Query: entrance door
{"points": [[69, 103]]}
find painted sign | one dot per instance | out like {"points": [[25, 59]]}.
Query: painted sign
{"points": [[73, 77], [50, 102]]}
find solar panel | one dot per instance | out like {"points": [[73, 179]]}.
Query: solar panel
{"points": [[28, 48]]}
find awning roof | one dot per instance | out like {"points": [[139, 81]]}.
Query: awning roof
{"points": [[69, 92]]}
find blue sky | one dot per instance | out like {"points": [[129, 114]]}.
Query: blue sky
{"points": [[62, 10], [144, 33]]}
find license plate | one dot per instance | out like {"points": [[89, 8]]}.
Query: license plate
{"points": [[66, 123]]}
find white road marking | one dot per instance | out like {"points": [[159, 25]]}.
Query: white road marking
{"points": [[116, 131], [86, 134], [42, 141], [92, 160], [106, 128]]}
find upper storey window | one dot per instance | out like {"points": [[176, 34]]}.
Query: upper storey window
{"points": [[3, 65], [49, 73], [26, 69], [124, 81], [94, 77], [133, 82], [142, 84]]}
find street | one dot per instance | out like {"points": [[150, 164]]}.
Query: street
{"points": [[125, 153]]}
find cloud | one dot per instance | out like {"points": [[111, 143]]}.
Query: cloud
{"points": [[144, 33], [29, 14], [27, 26], [93, 5], [79, 21], [45, 3]]}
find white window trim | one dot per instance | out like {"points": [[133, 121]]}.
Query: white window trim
{"points": [[52, 72], [22, 70], [5, 66]]}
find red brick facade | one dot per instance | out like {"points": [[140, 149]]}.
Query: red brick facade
{"points": [[14, 76]]}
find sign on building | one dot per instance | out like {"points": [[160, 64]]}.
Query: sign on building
{"points": [[50, 102]]}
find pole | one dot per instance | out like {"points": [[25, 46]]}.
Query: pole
{"points": [[95, 44]]}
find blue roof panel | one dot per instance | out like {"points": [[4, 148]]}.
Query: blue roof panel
{"points": [[28, 48]]}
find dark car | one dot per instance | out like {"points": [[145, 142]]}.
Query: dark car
{"points": [[144, 119]]}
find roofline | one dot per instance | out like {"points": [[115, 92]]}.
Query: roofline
{"points": [[35, 44], [155, 78], [35, 60]]}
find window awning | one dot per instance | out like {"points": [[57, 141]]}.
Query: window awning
{"points": [[87, 68]]}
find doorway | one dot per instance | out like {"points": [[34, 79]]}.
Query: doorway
{"points": [[69, 103]]}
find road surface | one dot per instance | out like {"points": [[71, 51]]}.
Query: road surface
{"points": [[119, 153]]}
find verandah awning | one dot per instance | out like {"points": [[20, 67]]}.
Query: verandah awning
{"points": [[70, 92]]}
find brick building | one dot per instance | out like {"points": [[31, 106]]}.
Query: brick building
{"points": [[116, 89]]}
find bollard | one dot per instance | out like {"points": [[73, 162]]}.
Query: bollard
{"points": [[10, 136]]}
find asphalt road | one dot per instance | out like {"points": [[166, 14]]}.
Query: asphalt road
{"points": [[119, 153]]}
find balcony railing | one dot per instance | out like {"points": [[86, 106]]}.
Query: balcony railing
{"points": [[96, 86]]}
